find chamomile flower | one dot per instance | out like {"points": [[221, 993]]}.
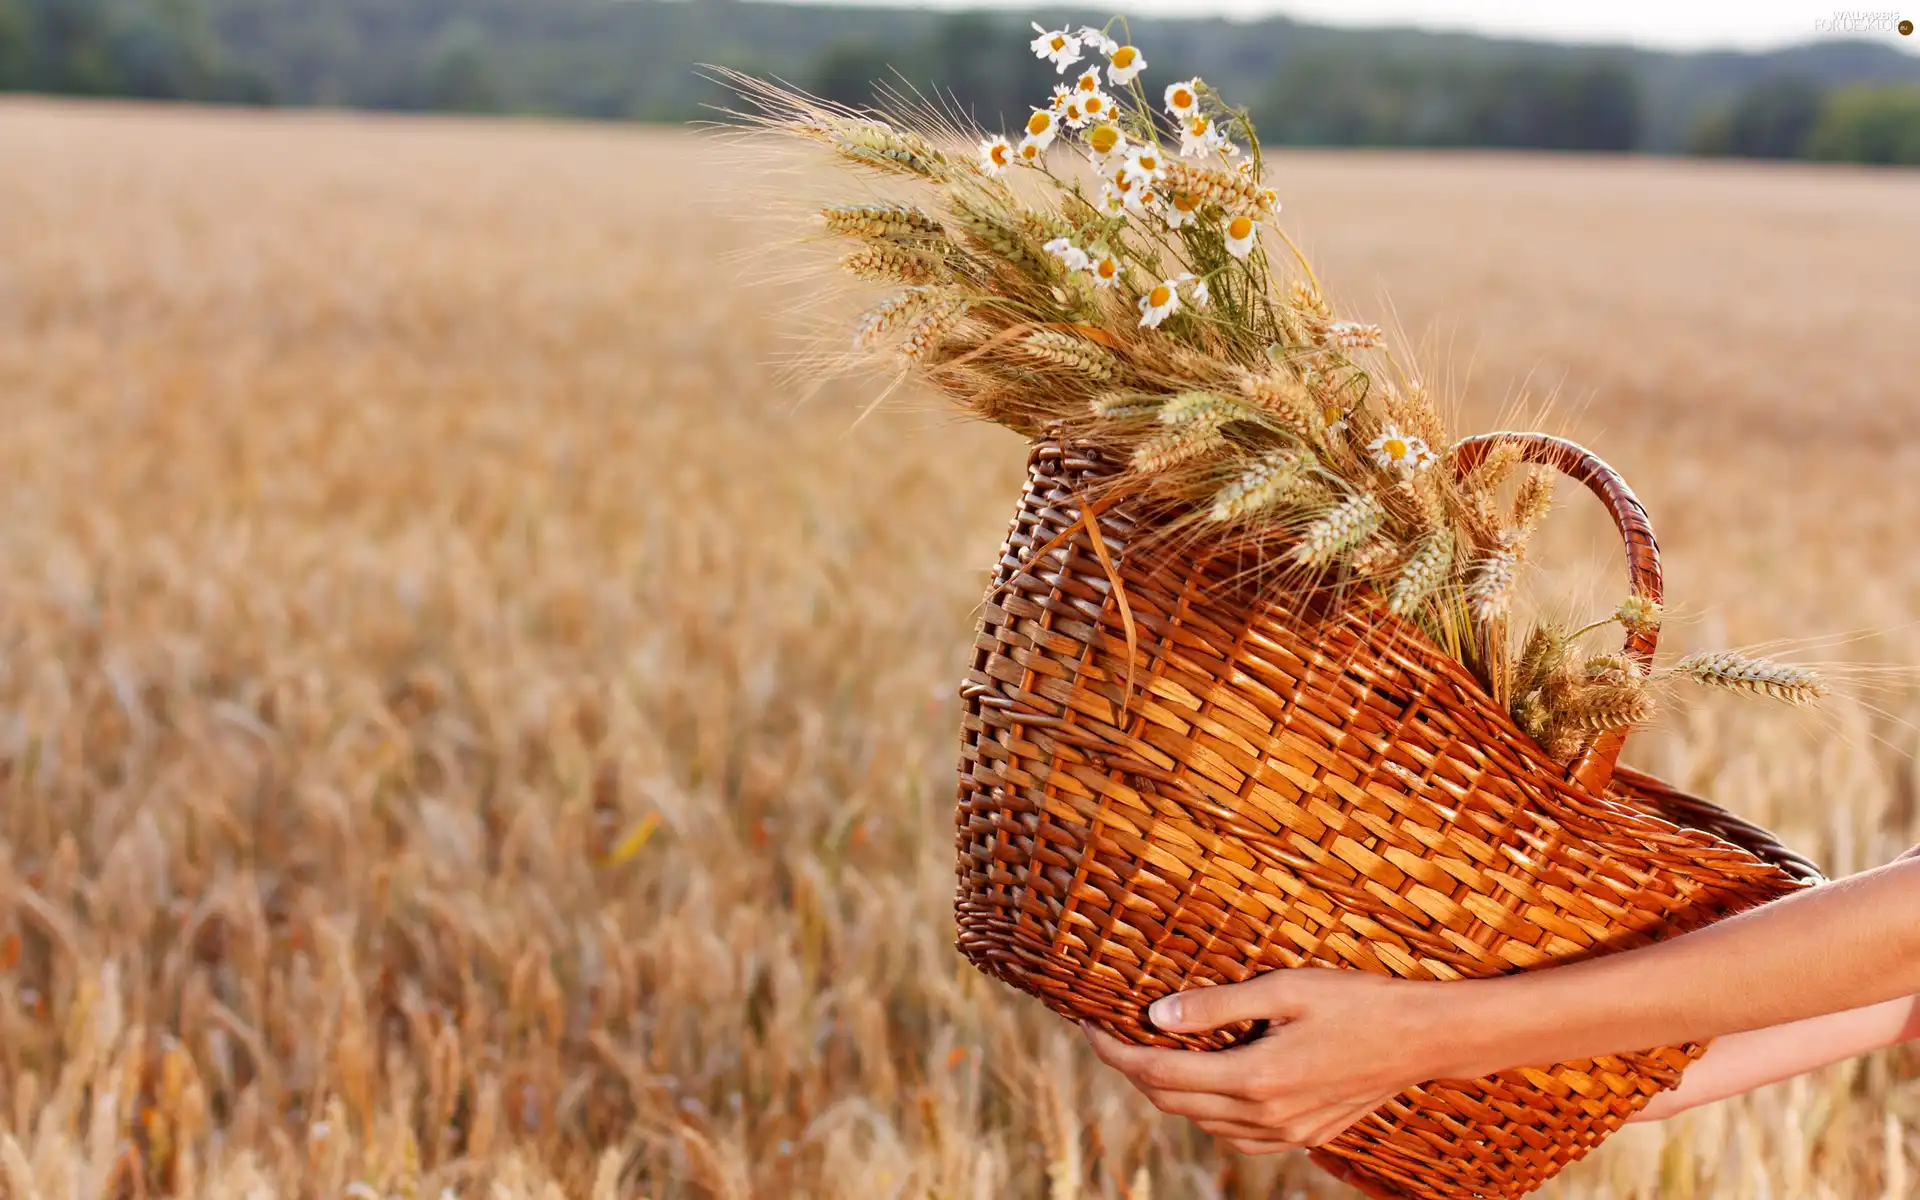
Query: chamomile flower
{"points": [[1057, 46], [996, 155], [1124, 65], [1143, 199], [1105, 141], [1061, 94], [1113, 201], [1334, 418], [1089, 81], [1143, 165], [1031, 151], [1160, 302], [1104, 268], [1270, 200], [1242, 233], [1073, 256], [1183, 99], [1180, 210], [1042, 126], [1197, 289], [1198, 135], [1072, 113], [1400, 452], [1098, 39], [1097, 105]]}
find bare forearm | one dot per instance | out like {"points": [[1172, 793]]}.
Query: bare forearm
{"points": [[1845, 945]]}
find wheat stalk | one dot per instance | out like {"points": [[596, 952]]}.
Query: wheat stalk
{"points": [[1271, 480], [1747, 673], [883, 222], [1534, 498], [890, 314], [1423, 573], [1490, 593], [1069, 353], [891, 264], [1350, 523]]}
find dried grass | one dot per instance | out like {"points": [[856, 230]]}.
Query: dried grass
{"points": [[465, 729]]}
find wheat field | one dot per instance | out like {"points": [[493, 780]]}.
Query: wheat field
{"points": [[468, 728]]}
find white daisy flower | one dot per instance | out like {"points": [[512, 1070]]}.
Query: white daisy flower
{"points": [[1061, 94], [1199, 136], [1031, 151], [1270, 200], [1400, 452], [1197, 288], [1181, 210], [1056, 45], [1105, 269], [1042, 126], [1143, 165], [1246, 168], [1183, 99], [1143, 199], [1243, 232], [1124, 65], [1089, 81], [1334, 418], [1113, 201], [1072, 113], [1159, 303], [1097, 105], [1105, 141], [1073, 256], [1098, 39], [996, 155]]}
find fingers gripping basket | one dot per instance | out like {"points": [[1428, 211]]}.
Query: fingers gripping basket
{"points": [[1285, 789]]}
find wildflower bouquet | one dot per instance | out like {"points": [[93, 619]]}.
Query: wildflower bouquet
{"points": [[1134, 306], [1241, 501]]}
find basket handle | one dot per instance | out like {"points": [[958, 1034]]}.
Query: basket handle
{"points": [[1593, 770]]}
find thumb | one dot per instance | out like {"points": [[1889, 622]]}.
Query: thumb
{"points": [[1211, 1006]]}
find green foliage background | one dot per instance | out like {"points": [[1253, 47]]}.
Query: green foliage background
{"points": [[636, 60]]}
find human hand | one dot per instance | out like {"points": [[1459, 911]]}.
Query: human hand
{"points": [[1340, 1044]]}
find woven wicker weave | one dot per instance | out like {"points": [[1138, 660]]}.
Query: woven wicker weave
{"points": [[1328, 789]]}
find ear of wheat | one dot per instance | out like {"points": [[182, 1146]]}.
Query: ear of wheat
{"points": [[1105, 275]]}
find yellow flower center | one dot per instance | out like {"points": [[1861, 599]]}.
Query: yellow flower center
{"points": [[1095, 106], [1240, 229], [1147, 196], [1331, 414], [1058, 43], [1039, 123], [1182, 98], [1185, 203], [1089, 82], [1158, 297], [1123, 184], [1103, 139], [999, 154], [1149, 163], [1029, 150], [1395, 448], [1124, 56], [1198, 126], [1106, 268]]}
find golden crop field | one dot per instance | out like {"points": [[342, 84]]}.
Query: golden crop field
{"points": [[466, 728]]}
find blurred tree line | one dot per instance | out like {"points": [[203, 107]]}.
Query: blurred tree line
{"points": [[637, 59], [1790, 117]]}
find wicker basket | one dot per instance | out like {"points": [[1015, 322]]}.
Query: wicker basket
{"points": [[1327, 789]]}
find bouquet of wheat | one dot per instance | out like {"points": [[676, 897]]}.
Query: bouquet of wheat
{"points": [[1244, 694]]}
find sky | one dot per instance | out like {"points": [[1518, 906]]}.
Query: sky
{"points": [[1658, 24]]}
